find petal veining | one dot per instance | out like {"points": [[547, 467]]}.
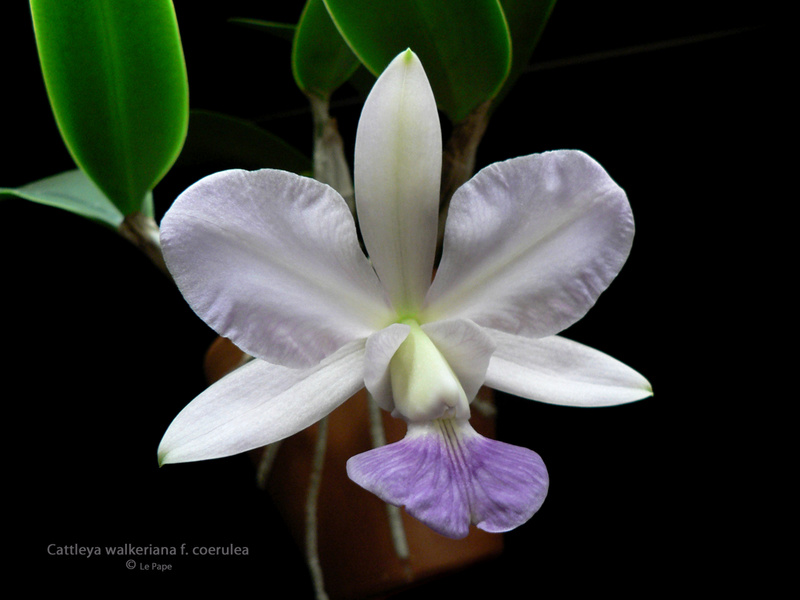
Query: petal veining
{"points": [[530, 243], [448, 476], [271, 261], [397, 175], [261, 403]]}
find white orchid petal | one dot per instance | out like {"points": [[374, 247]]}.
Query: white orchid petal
{"points": [[381, 347], [530, 243], [271, 261], [398, 157], [556, 370], [261, 403], [467, 349]]}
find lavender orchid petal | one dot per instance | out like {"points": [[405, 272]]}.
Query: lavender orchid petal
{"points": [[530, 243], [271, 261], [261, 403], [448, 476], [556, 370], [397, 173]]}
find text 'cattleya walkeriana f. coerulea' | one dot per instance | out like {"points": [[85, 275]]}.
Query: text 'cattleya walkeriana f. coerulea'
{"points": [[272, 261]]}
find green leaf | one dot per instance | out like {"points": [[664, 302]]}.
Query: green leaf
{"points": [[116, 80], [464, 45], [526, 21], [72, 191], [221, 142], [284, 31], [321, 60]]}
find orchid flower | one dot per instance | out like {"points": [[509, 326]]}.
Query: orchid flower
{"points": [[272, 261]]}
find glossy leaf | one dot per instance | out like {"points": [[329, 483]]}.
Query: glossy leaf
{"points": [[116, 79], [464, 45], [526, 21], [72, 191], [321, 60]]}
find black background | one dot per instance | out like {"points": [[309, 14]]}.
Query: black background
{"points": [[660, 496]]}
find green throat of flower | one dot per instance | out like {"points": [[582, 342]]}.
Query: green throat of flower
{"points": [[424, 385]]}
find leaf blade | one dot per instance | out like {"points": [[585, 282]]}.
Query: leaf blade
{"points": [[72, 191], [116, 79], [464, 45], [526, 21], [321, 60]]}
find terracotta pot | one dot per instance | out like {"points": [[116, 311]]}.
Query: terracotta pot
{"points": [[356, 552]]}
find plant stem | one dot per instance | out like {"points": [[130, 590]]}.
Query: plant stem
{"points": [[143, 232], [312, 548], [330, 164], [458, 161]]}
